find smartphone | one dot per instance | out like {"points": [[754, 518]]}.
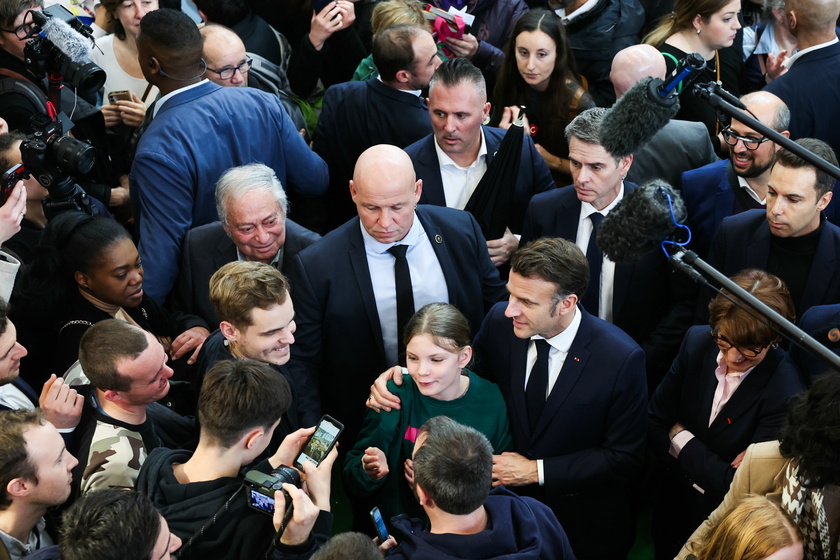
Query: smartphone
{"points": [[10, 179], [379, 523], [321, 442], [121, 95]]}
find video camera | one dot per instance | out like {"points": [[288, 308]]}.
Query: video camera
{"points": [[59, 47]]}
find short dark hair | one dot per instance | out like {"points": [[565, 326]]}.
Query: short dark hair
{"points": [[456, 71], [103, 345], [225, 12], [14, 460], [10, 9], [6, 143], [171, 30], [811, 433], [239, 287], [743, 328], [555, 260], [393, 49], [454, 466], [240, 395], [825, 182], [348, 546], [110, 524], [4, 316]]}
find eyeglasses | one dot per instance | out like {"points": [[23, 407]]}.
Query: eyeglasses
{"points": [[22, 31], [165, 75], [227, 72], [725, 346], [750, 142]]}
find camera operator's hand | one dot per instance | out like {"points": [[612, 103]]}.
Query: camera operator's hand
{"points": [[303, 517], [290, 447], [12, 212], [317, 479], [375, 463], [190, 340], [132, 112]]}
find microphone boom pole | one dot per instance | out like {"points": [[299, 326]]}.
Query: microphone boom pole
{"points": [[710, 93], [690, 263]]}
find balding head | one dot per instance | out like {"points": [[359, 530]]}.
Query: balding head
{"points": [[812, 17], [385, 191], [634, 63], [223, 49], [769, 109]]}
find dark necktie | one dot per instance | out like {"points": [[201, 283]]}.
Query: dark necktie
{"points": [[405, 296], [535, 391], [595, 258]]}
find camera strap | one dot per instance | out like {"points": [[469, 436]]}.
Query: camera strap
{"points": [[210, 522]]}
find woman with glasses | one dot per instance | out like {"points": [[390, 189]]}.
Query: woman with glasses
{"points": [[728, 388]]}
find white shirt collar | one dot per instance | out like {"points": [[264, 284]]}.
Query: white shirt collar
{"points": [[789, 62], [563, 340], [587, 6], [444, 159], [746, 186], [162, 101], [586, 209], [411, 238], [414, 92]]}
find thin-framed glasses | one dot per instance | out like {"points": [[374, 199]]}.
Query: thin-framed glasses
{"points": [[227, 72], [725, 346], [750, 142]]}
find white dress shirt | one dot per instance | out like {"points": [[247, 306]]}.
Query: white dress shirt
{"points": [[459, 183]]}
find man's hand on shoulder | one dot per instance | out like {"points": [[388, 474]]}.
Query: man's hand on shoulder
{"points": [[512, 469]]}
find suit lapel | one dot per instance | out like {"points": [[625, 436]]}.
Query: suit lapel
{"points": [[428, 167], [566, 218], [438, 241], [361, 272], [517, 365], [758, 251], [225, 252], [623, 271], [570, 373], [823, 269]]}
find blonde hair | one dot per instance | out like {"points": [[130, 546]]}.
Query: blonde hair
{"points": [[754, 530], [395, 12]]}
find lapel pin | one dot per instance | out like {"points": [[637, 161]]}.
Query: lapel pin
{"points": [[577, 359], [438, 239], [729, 420]]}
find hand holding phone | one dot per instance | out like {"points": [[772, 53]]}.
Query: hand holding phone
{"points": [[379, 524], [321, 442]]}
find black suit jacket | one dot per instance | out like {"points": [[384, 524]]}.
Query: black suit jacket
{"points": [[743, 241], [339, 338], [651, 302], [534, 176], [591, 435], [208, 248], [356, 116]]}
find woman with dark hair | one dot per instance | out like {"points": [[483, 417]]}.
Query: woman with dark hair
{"points": [[87, 269], [707, 27], [539, 74], [728, 387], [801, 471]]}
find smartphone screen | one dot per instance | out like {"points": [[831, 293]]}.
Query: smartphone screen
{"points": [[379, 523], [321, 442]]}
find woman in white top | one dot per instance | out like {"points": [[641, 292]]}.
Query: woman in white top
{"points": [[119, 60]]}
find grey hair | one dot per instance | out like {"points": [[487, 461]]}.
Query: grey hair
{"points": [[767, 9], [254, 177], [586, 127]]}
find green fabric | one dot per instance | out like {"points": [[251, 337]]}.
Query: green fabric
{"points": [[482, 407], [310, 109]]}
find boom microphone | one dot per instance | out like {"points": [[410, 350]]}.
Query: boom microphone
{"points": [[646, 108], [67, 40], [640, 222]]}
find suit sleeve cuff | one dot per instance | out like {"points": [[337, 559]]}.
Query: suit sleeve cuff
{"points": [[678, 442]]}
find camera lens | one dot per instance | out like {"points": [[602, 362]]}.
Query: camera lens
{"points": [[73, 155], [87, 77]]}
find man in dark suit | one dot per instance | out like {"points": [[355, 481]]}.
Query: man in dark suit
{"points": [[346, 291], [645, 298], [385, 110], [252, 207], [809, 87], [452, 161], [575, 390], [823, 323], [686, 143], [731, 186], [791, 238]]}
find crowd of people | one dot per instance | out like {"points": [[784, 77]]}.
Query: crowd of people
{"points": [[386, 216]]}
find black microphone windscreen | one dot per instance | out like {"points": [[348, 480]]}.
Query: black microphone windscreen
{"points": [[640, 222], [635, 119]]}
